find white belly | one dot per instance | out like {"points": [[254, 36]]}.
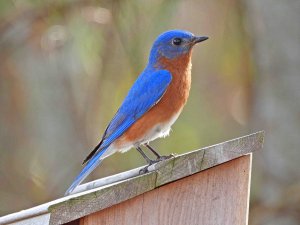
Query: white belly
{"points": [[158, 131]]}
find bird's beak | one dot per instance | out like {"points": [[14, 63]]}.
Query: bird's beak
{"points": [[199, 39]]}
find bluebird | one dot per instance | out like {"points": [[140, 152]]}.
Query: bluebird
{"points": [[153, 103]]}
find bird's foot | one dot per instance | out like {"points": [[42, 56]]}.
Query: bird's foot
{"points": [[145, 169], [151, 162]]}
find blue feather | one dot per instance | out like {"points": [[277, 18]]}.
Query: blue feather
{"points": [[88, 168], [144, 94]]}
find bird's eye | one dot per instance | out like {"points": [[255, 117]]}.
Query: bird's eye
{"points": [[177, 41]]}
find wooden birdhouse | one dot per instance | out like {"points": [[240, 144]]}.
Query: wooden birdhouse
{"points": [[209, 186]]}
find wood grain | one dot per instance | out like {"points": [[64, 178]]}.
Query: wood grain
{"points": [[218, 196], [109, 191], [166, 171]]}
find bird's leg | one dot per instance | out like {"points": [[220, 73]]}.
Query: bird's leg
{"points": [[153, 151], [149, 161], [159, 157]]}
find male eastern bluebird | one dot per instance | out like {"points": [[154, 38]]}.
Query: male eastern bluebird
{"points": [[153, 103]]}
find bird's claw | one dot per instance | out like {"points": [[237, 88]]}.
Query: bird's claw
{"points": [[151, 162], [144, 170]]}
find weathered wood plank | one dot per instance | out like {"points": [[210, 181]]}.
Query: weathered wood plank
{"points": [[218, 196], [164, 172], [97, 200], [78, 205], [195, 161]]}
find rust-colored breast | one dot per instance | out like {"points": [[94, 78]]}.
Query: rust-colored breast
{"points": [[170, 104]]}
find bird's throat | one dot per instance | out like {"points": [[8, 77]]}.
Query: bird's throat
{"points": [[180, 68]]}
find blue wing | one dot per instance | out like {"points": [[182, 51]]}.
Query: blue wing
{"points": [[144, 94]]}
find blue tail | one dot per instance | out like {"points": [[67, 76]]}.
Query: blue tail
{"points": [[89, 167]]}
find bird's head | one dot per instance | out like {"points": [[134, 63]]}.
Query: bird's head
{"points": [[172, 44]]}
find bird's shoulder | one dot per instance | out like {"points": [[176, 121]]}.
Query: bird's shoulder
{"points": [[143, 95]]}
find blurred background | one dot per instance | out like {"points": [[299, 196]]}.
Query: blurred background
{"points": [[65, 67]]}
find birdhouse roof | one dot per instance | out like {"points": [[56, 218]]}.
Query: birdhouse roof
{"points": [[103, 193]]}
